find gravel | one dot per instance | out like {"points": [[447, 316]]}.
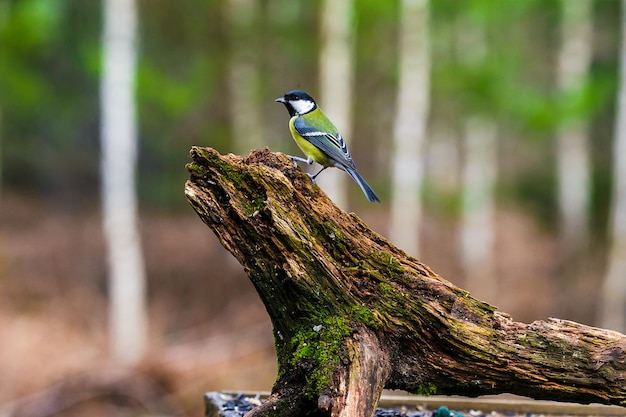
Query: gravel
{"points": [[226, 405]]}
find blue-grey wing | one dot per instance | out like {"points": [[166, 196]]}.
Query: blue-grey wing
{"points": [[331, 143]]}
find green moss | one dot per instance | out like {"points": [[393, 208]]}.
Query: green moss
{"points": [[388, 263], [386, 289], [426, 388], [233, 175], [364, 315], [338, 245], [244, 180], [193, 168], [392, 297], [321, 346], [331, 231], [254, 206]]}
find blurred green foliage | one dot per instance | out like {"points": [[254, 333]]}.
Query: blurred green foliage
{"points": [[49, 93]]}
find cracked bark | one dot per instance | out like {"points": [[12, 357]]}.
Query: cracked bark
{"points": [[353, 314]]}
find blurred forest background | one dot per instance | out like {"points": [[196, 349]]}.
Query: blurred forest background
{"points": [[489, 128]]}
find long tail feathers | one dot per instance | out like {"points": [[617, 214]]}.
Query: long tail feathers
{"points": [[367, 190]]}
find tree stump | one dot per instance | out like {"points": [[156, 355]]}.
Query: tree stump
{"points": [[353, 314]]}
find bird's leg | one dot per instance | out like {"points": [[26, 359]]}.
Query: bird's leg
{"points": [[295, 160], [307, 161], [315, 176]]}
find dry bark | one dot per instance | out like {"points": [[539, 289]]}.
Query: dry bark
{"points": [[353, 314]]}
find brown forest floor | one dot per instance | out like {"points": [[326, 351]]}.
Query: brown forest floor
{"points": [[209, 330]]}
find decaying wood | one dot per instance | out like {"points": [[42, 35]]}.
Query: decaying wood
{"points": [[353, 314]]}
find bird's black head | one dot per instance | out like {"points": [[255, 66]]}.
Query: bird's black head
{"points": [[297, 102]]}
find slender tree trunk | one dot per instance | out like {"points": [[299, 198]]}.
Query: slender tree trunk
{"points": [[477, 227], [244, 78], [353, 314], [573, 166], [443, 167], [612, 305], [479, 175], [119, 200], [336, 83], [409, 131], [1, 156]]}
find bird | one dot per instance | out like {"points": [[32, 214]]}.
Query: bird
{"points": [[318, 138]]}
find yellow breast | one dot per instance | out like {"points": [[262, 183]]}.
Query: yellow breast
{"points": [[307, 147]]}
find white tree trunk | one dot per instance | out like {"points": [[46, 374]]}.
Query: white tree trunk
{"points": [[573, 166], [119, 155], [409, 130], [479, 175], [612, 305], [244, 78], [443, 158], [477, 227], [1, 156], [336, 85]]}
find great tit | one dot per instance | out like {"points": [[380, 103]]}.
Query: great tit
{"points": [[319, 139]]}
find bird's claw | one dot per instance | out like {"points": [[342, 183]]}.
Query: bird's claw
{"points": [[297, 159], [307, 161]]}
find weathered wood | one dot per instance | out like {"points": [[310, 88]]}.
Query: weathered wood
{"points": [[353, 314]]}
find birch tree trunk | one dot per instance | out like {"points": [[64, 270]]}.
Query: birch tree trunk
{"points": [[612, 305], [477, 224], [336, 83], [573, 166], [244, 78], [1, 156], [127, 317], [409, 130], [479, 175]]}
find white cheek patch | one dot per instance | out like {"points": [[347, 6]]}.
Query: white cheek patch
{"points": [[302, 106]]}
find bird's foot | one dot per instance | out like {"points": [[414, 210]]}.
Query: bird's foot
{"points": [[312, 177], [297, 159], [295, 163]]}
